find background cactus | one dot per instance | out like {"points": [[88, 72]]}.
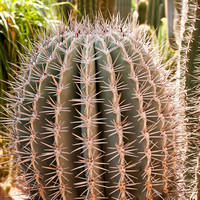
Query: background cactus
{"points": [[142, 12], [106, 7], [92, 116], [123, 8], [91, 7], [170, 14], [155, 13], [188, 73]]}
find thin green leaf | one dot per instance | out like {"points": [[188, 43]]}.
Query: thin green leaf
{"points": [[65, 3]]}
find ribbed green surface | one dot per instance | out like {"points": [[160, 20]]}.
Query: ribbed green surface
{"points": [[94, 118], [156, 11], [189, 76]]}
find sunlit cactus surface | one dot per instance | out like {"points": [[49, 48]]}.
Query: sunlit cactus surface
{"points": [[92, 116]]}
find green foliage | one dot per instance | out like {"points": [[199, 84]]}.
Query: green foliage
{"points": [[168, 54], [66, 10], [134, 5], [19, 21]]}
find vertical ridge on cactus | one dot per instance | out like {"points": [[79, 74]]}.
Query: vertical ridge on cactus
{"points": [[93, 116], [187, 68]]}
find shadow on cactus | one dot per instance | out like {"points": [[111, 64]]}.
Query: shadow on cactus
{"points": [[92, 116]]}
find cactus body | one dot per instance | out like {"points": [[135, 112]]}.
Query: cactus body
{"points": [[142, 11], [155, 13], [188, 69], [123, 8], [93, 118]]}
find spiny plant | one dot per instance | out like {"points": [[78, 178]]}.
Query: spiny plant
{"points": [[188, 72], [19, 21], [142, 12], [92, 116], [155, 13]]}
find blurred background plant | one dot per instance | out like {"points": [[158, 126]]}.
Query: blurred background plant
{"points": [[152, 14], [92, 7], [161, 40]]}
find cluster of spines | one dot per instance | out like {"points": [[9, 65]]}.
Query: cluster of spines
{"points": [[143, 79], [28, 154], [54, 129], [89, 121], [114, 107]]}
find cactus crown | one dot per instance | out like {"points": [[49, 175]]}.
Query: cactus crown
{"points": [[92, 116]]}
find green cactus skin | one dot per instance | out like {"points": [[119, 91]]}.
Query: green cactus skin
{"points": [[189, 78], [170, 14], [142, 12], [123, 8], [92, 117], [155, 13]]}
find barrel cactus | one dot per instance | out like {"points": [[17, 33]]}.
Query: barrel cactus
{"points": [[92, 116]]}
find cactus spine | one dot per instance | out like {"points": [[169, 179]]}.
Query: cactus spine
{"points": [[92, 117]]}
